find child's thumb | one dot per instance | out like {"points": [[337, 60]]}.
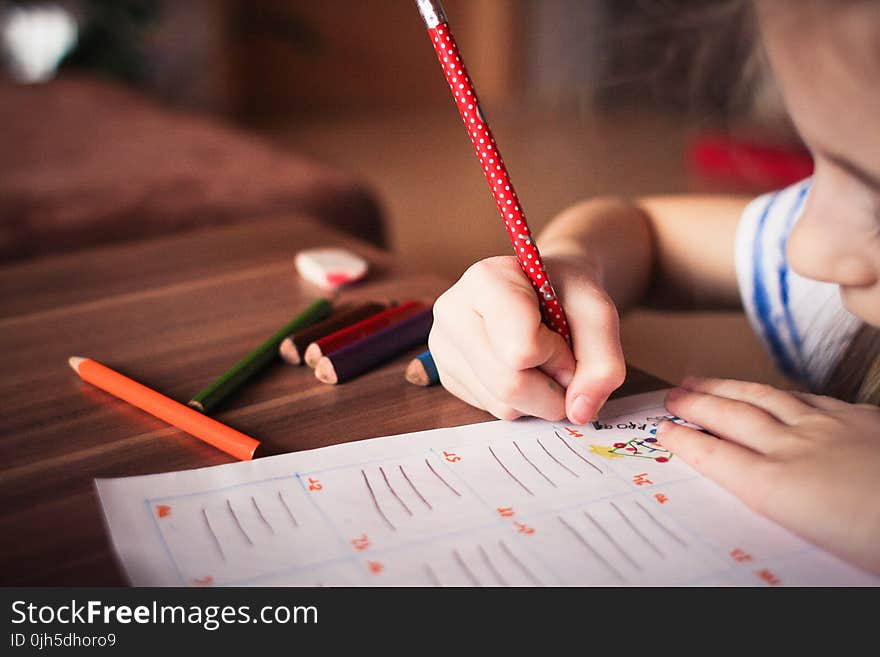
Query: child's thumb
{"points": [[600, 368]]}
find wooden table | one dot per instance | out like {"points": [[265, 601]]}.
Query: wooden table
{"points": [[172, 313]]}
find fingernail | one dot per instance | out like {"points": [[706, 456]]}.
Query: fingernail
{"points": [[675, 393], [580, 410]]}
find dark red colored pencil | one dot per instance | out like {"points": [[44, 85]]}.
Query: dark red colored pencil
{"points": [[292, 348], [362, 329], [359, 357]]}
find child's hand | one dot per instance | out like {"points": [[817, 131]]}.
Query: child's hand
{"points": [[810, 463], [493, 351]]}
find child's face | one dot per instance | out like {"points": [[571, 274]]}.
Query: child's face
{"points": [[826, 57]]}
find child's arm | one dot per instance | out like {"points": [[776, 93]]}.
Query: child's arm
{"points": [[674, 251], [491, 348]]}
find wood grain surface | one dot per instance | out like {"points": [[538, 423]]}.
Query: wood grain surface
{"points": [[173, 313]]}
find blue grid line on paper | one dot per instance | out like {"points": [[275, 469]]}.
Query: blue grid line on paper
{"points": [[256, 482], [344, 545], [168, 551]]}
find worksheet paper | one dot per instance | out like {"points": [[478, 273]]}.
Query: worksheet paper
{"points": [[525, 503]]}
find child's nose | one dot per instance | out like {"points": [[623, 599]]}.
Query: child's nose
{"points": [[822, 249]]}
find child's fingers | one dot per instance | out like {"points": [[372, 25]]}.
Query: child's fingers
{"points": [[600, 368], [736, 468], [529, 391], [783, 405], [456, 368], [516, 332], [822, 402], [457, 388], [497, 290], [735, 420]]}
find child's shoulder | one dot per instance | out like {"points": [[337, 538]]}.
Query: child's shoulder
{"points": [[801, 321], [774, 214]]}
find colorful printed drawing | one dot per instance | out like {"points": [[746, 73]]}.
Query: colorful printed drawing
{"points": [[645, 448]]}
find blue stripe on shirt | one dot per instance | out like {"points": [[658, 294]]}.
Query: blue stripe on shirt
{"points": [[761, 298], [793, 214]]}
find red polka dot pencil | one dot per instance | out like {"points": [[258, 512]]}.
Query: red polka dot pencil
{"points": [[512, 214]]}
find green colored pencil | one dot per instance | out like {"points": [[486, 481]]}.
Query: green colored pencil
{"points": [[244, 369]]}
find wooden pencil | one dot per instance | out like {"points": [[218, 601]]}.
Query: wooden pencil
{"points": [[292, 348], [422, 371], [174, 413], [358, 357], [335, 341], [256, 360]]}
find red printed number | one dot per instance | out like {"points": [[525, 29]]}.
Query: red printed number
{"points": [[314, 484], [642, 479], [769, 577], [524, 528], [361, 543], [375, 567], [452, 457], [505, 511], [740, 555], [660, 497], [572, 432]]}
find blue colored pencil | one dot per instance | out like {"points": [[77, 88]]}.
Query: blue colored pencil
{"points": [[422, 371]]}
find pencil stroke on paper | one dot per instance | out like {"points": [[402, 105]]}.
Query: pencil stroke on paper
{"points": [[376, 502], [558, 462], [394, 492], [580, 456], [237, 522], [531, 463], [436, 474], [491, 566], [583, 541], [638, 531], [415, 490], [510, 474]]}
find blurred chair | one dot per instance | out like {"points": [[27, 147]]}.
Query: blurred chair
{"points": [[85, 162]]}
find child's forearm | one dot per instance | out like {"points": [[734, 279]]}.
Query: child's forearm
{"points": [[675, 252]]}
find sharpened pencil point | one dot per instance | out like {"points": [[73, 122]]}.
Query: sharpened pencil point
{"points": [[196, 405], [313, 355], [74, 362], [325, 372], [288, 352], [415, 373]]}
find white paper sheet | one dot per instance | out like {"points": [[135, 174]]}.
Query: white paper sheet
{"points": [[525, 503]]}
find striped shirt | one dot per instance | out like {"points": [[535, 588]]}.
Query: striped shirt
{"points": [[802, 322]]}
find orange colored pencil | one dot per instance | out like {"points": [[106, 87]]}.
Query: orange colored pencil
{"points": [[174, 413]]}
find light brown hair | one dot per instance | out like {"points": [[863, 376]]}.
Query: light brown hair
{"points": [[856, 378]]}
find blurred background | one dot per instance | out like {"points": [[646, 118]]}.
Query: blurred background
{"points": [[131, 118]]}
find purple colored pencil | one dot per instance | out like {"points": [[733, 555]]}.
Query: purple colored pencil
{"points": [[358, 357]]}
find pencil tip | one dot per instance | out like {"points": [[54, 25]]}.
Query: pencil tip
{"points": [[192, 403], [415, 373], [74, 362], [313, 355], [288, 352], [325, 372]]}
